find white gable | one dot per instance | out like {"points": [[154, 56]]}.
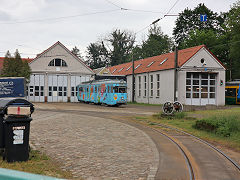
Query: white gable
{"points": [[203, 59], [74, 65]]}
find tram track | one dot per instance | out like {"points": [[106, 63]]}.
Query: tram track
{"points": [[189, 174], [196, 169], [181, 149]]}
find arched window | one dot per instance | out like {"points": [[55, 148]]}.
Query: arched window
{"points": [[57, 62]]}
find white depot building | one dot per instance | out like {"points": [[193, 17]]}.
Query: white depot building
{"points": [[55, 74], [200, 78]]}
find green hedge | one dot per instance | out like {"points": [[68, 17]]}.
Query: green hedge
{"points": [[221, 125]]}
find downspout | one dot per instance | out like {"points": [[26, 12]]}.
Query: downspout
{"points": [[176, 75]]}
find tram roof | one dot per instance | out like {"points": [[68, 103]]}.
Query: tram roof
{"points": [[106, 81], [232, 83]]}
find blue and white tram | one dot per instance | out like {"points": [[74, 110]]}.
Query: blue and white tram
{"points": [[110, 92]]}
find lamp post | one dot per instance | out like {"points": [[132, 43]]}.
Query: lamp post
{"points": [[133, 80]]}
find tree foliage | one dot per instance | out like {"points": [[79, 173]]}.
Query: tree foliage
{"points": [[121, 45], [15, 67], [156, 43], [76, 52], [115, 49], [97, 55], [212, 40], [189, 20], [233, 25]]}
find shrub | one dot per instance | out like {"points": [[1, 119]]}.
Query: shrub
{"points": [[220, 125]]}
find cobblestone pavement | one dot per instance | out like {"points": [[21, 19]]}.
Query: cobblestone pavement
{"points": [[93, 147]]}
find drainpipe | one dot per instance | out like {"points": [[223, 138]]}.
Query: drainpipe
{"points": [[176, 75]]}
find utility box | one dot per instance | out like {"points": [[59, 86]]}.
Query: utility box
{"points": [[16, 118]]}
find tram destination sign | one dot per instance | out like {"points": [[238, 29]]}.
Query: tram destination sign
{"points": [[12, 87]]}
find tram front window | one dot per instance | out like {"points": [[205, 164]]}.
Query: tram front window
{"points": [[122, 90], [118, 89], [230, 92]]}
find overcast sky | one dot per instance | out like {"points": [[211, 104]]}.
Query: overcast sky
{"points": [[31, 26]]}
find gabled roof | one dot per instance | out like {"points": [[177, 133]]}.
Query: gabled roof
{"points": [[23, 59], [101, 70], [64, 47], [161, 62]]}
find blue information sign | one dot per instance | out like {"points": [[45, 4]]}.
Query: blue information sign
{"points": [[203, 17], [12, 87]]}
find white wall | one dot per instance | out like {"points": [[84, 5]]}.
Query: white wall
{"points": [[166, 87]]}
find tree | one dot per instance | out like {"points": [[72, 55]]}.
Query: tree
{"points": [[76, 52], [115, 49], [212, 40], [189, 20], [233, 26], [121, 45], [97, 55], [157, 43], [15, 67]]}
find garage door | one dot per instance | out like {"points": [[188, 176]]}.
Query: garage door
{"points": [[76, 80], [200, 88], [35, 88], [57, 88]]}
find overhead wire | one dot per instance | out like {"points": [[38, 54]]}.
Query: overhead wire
{"points": [[159, 18], [60, 18]]}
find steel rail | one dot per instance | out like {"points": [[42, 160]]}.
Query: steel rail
{"points": [[190, 168], [205, 142]]}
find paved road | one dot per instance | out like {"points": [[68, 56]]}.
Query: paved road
{"points": [[97, 142], [93, 147]]}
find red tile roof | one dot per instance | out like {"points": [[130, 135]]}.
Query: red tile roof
{"points": [[161, 62], [23, 59]]}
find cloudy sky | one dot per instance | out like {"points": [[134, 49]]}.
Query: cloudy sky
{"points": [[31, 26]]}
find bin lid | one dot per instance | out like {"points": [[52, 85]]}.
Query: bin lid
{"points": [[6, 102]]}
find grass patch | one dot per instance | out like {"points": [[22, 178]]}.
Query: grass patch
{"points": [[144, 104], [38, 163], [226, 124]]}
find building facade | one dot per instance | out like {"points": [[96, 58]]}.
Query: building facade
{"points": [[55, 74], [200, 78]]}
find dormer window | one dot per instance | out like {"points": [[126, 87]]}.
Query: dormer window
{"points": [[138, 66], [57, 62], [150, 64], [114, 70], [163, 61], [128, 68], [121, 69]]}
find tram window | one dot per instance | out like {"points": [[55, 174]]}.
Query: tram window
{"points": [[111, 89], [230, 92], [115, 89], [122, 89]]}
